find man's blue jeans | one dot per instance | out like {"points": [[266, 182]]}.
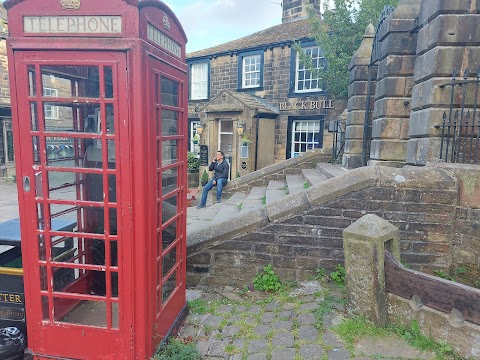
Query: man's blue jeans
{"points": [[220, 184]]}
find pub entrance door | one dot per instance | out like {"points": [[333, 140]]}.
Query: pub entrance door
{"points": [[69, 119]]}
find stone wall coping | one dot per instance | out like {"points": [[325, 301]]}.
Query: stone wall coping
{"points": [[220, 231]]}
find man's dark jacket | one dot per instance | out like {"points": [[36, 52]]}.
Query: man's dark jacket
{"points": [[221, 169]]}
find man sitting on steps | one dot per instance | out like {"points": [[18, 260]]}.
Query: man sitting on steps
{"points": [[220, 178]]}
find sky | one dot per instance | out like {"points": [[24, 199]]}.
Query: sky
{"points": [[209, 23]]}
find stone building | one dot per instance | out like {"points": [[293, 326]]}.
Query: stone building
{"points": [[7, 165], [408, 62], [256, 101]]}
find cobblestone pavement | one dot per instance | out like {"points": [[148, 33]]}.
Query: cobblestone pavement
{"points": [[235, 325]]}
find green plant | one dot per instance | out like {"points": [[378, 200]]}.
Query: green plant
{"points": [[238, 174], [193, 162], [199, 306], [245, 140], [204, 178], [267, 280], [240, 206], [461, 270], [177, 350], [338, 276], [264, 199], [477, 283], [321, 274], [442, 274], [196, 138], [350, 330], [306, 185]]}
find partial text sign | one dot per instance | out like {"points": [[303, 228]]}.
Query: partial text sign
{"points": [[162, 40], [306, 105], [72, 24]]}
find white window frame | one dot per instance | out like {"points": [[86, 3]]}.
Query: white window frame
{"points": [[51, 110], [193, 131], [199, 81], [317, 62], [308, 127], [247, 72]]}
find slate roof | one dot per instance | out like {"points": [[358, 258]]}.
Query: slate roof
{"points": [[284, 33], [251, 101]]}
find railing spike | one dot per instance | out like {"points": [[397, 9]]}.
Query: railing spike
{"points": [[478, 72], [465, 73], [454, 75]]}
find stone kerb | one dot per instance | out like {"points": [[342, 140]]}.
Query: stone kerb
{"points": [[364, 245]]}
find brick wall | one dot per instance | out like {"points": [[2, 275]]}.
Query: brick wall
{"points": [[299, 245]]}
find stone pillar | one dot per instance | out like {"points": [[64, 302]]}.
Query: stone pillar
{"points": [[357, 100], [448, 39], [364, 244], [397, 53]]}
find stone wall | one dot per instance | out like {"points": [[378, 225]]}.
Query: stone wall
{"points": [[396, 52], [418, 48], [448, 39], [357, 101], [304, 232], [372, 284]]}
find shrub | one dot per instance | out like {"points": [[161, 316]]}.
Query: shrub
{"points": [[193, 162], [204, 179]]}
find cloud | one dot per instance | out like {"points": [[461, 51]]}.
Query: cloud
{"points": [[217, 21]]}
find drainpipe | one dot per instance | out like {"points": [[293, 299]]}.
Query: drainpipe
{"points": [[256, 141]]}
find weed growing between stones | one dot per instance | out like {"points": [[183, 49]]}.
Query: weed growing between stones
{"points": [[352, 329], [177, 350], [267, 280], [338, 276]]}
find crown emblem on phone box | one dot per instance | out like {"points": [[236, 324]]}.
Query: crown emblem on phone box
{"points": [[70, 4]]}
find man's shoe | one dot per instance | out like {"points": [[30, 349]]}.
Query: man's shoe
{"points": [[219, 201], [200, 206]]}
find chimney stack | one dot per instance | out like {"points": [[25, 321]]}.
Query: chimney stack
{"points": [[297, 9]]}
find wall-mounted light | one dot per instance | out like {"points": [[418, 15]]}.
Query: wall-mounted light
{"points": [[240, 129], [199, 129]]}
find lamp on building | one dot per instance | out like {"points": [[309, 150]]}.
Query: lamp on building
{"points": [[199, 129], [240, 129]]}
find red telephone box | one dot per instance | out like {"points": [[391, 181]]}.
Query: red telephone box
{"points": [[99, 105]]}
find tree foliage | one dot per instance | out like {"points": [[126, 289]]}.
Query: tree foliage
{"points": [[339, 35]]}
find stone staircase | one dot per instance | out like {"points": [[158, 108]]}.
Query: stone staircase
{"points": [[257, 197]]}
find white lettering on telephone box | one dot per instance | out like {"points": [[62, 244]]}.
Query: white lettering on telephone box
{"points": [[72, 24]]}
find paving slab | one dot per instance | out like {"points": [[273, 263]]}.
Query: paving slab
{"points": [[283, 354], [311, 352], [391, 346]]}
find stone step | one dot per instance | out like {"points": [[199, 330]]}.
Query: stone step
{"points": [[276, 185], [313, 177], [331, 170], [274, 196], [235, 199], [257, 193], [295, 184], [227, 212], [250, 204]]}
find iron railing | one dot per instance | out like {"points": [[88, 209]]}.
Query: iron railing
{"points": [[338, 141], [461, 125]]}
